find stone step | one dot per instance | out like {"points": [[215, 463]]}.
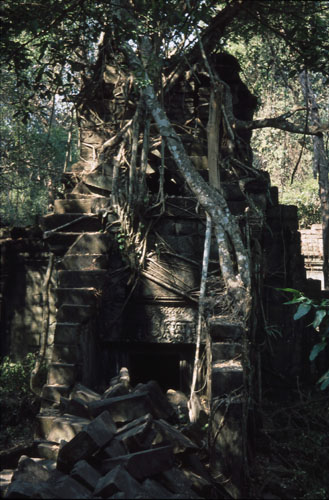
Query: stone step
{"points": [[225, 351], [82, 206], [44, 423], [62, 374], [80, 196], [81, 279], [89, 222], [221, 330], [65, 353], [99, 180], [89, 262], [76, 296], [59, 242], [54, 427], [90, 243], [226, 377], [53, 393], [68, 333], [74, 313]]}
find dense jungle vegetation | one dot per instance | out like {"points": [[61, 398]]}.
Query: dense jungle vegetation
{"points": [[39, 134]]}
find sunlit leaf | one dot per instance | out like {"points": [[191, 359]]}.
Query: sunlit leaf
{"points": [[316, 350], [302, 310], [319, 315]]}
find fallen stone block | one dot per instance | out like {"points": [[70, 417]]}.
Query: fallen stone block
{"points": [[119, 389], [30, 471], [167, 432], [155, 490], [176, 482], [67, 487], [142, 464], [179, 401], [65, 428], [95, 435], [123, 408], [161, 408], [116, 481], [74, 406], [199, 484], [5, 480], [47, 449], [25, 489], [137, 437], [114, 449], [85, 474]]}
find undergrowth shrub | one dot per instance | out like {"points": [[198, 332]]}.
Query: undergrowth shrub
{"points": [[18, 403]]}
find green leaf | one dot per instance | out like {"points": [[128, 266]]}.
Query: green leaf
{"points": [[316, 350], [319, 315], [291, 290], [302, 310], [324, 381]]}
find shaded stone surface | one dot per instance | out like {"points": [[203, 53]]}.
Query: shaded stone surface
{"points": [[143, 463]]}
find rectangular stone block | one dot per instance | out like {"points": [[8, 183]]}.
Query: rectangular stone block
{"points": [[226, 378], [84, 393], [78, 296], [176, 481], [87, 262], [53, 393], [85, 474], [61, 374], [115, 448], [81, 279], [88, 223], [138, 437], [79, 206], [67, 487], [161, 406], [123, 408], [66, 427], [115, 481], [93, 436], [155, 490], [73, 313], [168, 433], [220, 330], [65, 354], [142, 464], [66, 332], [90, 243], [225, 350]]}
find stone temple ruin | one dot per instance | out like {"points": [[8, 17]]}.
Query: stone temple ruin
{"points": [[75, 279]]}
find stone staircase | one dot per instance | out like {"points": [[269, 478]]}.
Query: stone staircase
{"points": [[228, 405], [74, 234]]}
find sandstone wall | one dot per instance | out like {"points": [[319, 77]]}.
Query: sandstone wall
{"points": [[311, 242], [24, 262]]}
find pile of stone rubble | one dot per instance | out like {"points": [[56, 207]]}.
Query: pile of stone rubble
{"points": [[132, 445]]}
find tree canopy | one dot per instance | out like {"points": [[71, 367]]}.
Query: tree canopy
{"points": [[55, 52]]}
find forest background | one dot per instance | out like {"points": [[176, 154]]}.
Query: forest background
{"points": [[39, 133]]}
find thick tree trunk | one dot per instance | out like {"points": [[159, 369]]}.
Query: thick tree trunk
{"points": [[320, 169], [235, 274]]}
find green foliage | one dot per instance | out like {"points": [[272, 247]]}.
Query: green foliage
{"points": [[15, 375], [320, 322], [32, 154], [18, 404]]}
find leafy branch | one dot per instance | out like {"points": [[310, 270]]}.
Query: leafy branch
{"points": [[320, 310]]}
